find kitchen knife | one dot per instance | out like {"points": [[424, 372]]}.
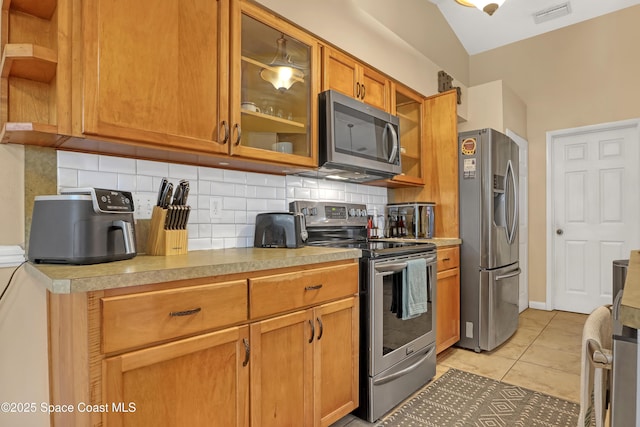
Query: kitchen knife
{"points": [[166, 196], [185, 191], [182, 191], [163, 186], [178, 195]]}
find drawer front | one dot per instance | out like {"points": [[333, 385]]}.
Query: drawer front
{"points": [[448, 258], [139, 319], [285, 292]]}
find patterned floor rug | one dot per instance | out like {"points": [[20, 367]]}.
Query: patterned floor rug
{"points": [[460, 399]]}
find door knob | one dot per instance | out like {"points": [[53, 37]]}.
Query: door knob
{"points": [[559, 232]]}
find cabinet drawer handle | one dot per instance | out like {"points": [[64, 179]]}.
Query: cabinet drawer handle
{"points": [[185, 312], [321, 328], [247, 352], [313, 331], [357, 90], [446, 259], [364, 92], [313, 288]]}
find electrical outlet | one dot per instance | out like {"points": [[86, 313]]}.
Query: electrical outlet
{"points": [[215, 207], [144, 205]]}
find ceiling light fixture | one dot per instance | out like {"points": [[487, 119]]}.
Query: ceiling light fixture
{"points": [[281, 72], [488, 6]]}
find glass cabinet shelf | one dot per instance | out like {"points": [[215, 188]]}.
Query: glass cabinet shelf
{"points": [[268, 123]]}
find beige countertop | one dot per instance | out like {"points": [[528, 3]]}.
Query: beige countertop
{"points": [[145, 269], [630, 304]]}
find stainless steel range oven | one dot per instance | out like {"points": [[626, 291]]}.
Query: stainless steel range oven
{"points": [[397, 304]]}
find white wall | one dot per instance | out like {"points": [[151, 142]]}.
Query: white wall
{"points": [[24, 354]]}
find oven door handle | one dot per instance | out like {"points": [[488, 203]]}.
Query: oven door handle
{"points": [[391, 268], [404, 371]]}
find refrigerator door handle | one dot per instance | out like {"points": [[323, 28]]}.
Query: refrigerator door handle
{"points": [[510, 274], [511, 234]]}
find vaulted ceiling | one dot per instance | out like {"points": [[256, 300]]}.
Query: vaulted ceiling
{"points": [[514, 20]]}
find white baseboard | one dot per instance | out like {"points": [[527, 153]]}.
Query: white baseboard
{"points": [[11, 256], [538, 305]]}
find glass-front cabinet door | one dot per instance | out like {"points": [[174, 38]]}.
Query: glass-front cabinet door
{"points": [[409, 107], [274, 88]]}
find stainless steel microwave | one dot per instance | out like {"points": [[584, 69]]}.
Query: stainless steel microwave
{"points": [[358, 142]]}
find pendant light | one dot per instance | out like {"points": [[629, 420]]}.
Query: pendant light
{"points": [[281, 72], [488, 6]]}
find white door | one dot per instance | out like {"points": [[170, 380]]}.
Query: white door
{"points": [[523, 224], [595, 187]]}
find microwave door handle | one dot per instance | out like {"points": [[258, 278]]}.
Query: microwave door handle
{"points": [[394, 139]]}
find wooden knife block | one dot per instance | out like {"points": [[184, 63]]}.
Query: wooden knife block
{"points": [[165, 242]]}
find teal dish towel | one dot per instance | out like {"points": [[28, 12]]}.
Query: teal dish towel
{"points": [[414, 289]]}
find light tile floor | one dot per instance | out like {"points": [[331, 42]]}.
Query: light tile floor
{"points": [[543, 355]]}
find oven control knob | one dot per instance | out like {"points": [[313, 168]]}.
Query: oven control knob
{"points": [[314, 211], [352, 212], [304, 211], [363, 212]]}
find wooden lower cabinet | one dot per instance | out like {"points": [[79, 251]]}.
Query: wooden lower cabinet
{"points": [[336, 360], [304, 366], [448, 298], [196, 381], [189, 353]]}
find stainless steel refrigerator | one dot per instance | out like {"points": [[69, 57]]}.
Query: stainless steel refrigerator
{"points": [[489, 268]]}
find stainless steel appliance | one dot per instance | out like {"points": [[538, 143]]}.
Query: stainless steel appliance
{"points": [[625, 357], [397, 349], [279, 230], [82, 226], [489, 268], [418, 219], [358, 143]]}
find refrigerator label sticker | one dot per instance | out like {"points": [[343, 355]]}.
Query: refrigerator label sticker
{"points": [[469, 169], [468, 147]]}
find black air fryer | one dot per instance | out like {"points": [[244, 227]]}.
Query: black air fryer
{"points": [[82, 226]]}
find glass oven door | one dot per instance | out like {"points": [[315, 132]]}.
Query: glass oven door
{"points": [[395, 334]]}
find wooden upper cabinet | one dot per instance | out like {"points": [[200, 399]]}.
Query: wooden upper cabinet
{"points": [[409, 107], [273, 118], [346, 75], [154, 72], [441, 161]]}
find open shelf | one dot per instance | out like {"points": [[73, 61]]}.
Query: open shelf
{"points": [[27, 133], [29, 61], [41, 8]]}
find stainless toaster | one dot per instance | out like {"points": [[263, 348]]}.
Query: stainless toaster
{"points": [[82, 226], [280, 230]]}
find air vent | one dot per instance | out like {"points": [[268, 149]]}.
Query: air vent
{"points": [[552, 12]]}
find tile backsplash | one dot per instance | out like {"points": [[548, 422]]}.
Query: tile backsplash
{"points": [[224, 202]]}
